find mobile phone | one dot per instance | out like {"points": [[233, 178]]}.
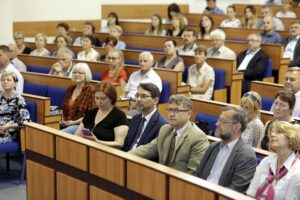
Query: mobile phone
{"points": [[87, 132]]}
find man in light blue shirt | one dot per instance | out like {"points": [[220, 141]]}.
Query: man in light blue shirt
{"points": [[212, 8], [230, 162]]}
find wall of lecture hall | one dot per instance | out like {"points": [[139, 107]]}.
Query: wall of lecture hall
{"points": [[38, 10]]}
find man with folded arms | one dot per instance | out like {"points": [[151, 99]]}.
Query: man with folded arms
{"points": [[179, 144]]}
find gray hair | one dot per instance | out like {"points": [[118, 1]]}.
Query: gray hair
{"points": [[239, 116], [181, 99], [66, 51], [85, 68], [218, 32], [257, 35], [148, 54], [37, 36]]}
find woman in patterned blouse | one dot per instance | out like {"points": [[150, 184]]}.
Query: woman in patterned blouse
{"points": [[251, 103], [13, 110]]}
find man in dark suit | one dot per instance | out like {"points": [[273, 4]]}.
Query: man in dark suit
{"points": [[252, 62], [292, 45], [230, 162], [142, 132]]}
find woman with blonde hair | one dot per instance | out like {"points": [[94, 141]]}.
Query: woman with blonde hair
{"points": [[116, 72], [177, 26], [156, 28], [278, 176], [251, 103], [250, 20], [40, 43]]}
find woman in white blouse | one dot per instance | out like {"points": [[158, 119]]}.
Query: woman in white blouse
{"points": [[88, 53], [251, 103], [278, 176], [40, 42], [201, 76], [231, 21]]}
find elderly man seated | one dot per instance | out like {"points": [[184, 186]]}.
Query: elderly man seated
{"points": [[64, 66], [292, 44]]}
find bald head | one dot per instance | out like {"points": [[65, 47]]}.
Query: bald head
{"points": [[268, 23], [13, 50]]}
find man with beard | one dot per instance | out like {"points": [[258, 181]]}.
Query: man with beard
{"points": [[144, 127], [179, 144], [230, 162], [189, 38]]}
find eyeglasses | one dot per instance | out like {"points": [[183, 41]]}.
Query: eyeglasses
{"points": [[222, 121], [143, 96], [112, 58], [78, 73], [175, 110], [252, 97]]}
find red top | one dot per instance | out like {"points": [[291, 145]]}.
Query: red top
{"points": [[122, 75]]}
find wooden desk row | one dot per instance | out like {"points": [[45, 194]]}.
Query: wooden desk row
{"points": [[266, 90], [64, 166], [274, 51]]}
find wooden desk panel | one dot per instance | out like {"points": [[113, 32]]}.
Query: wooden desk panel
{"points": [[266, 90], [154, 183], [97, 193], [107, 166], [72, 153]]}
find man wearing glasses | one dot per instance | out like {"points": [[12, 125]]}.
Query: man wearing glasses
{"points": [[230, 162], [179, 144], [252, 62], [144, 127]]}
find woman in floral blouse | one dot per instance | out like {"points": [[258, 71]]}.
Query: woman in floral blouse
{"points": [[13, 110]]}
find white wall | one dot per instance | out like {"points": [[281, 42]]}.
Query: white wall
{"points": [[6, 19]]}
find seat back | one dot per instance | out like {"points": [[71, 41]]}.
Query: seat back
{"points": [[31, 107], [268, 70], [36, 89], [210, 119], [57, 95], [96, 76], [37, 69], [165, 93], [219, 79], [266, 103]]}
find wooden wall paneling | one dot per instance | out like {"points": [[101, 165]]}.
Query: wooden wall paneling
{"points": [[97, 193]]}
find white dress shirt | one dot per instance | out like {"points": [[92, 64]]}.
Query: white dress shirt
{"points": [[187, 52], [285, 188], [296, 111], [18, 64], [138, 77], [20, 83], [222, 157], [223, 52], [246, 60], [290, 48], [92, 55], [179, 133]]}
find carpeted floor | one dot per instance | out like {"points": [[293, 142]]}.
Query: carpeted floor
{"points": [[10, 189]]}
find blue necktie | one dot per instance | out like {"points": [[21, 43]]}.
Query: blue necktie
{"points": [[138, 132]]}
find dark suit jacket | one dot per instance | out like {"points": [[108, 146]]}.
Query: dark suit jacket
{"points": [[150, 132], [239, 169], [296, 58], [255, 69]]}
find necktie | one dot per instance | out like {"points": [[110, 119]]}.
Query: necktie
{"points": [[172, 149], [267, 185], [138, 132]]}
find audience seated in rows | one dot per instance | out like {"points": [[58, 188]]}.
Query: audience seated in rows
{"points": [[179, 144], [212, 8], [177, 26], [15, 61], [116, 31], [251, 103], [88, 29], [252, 62], [172, 60], [269, 35], [146, 74], [40, 43], [60, 41], [144, 127], [88, 53], [6, 65], [250, 19], [231, 21], [266, 11], [156, 28], [230, 163], [64, 66], [63, 29], [111, 42], [285, 11], [13, 110], [19, 40], [79, 98], [201, 76], [218, 48], [107, 124], [189, 45], [292, 45], [116, 72], [206, 26], [112, 19], [283, 107], [278, 176]]}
